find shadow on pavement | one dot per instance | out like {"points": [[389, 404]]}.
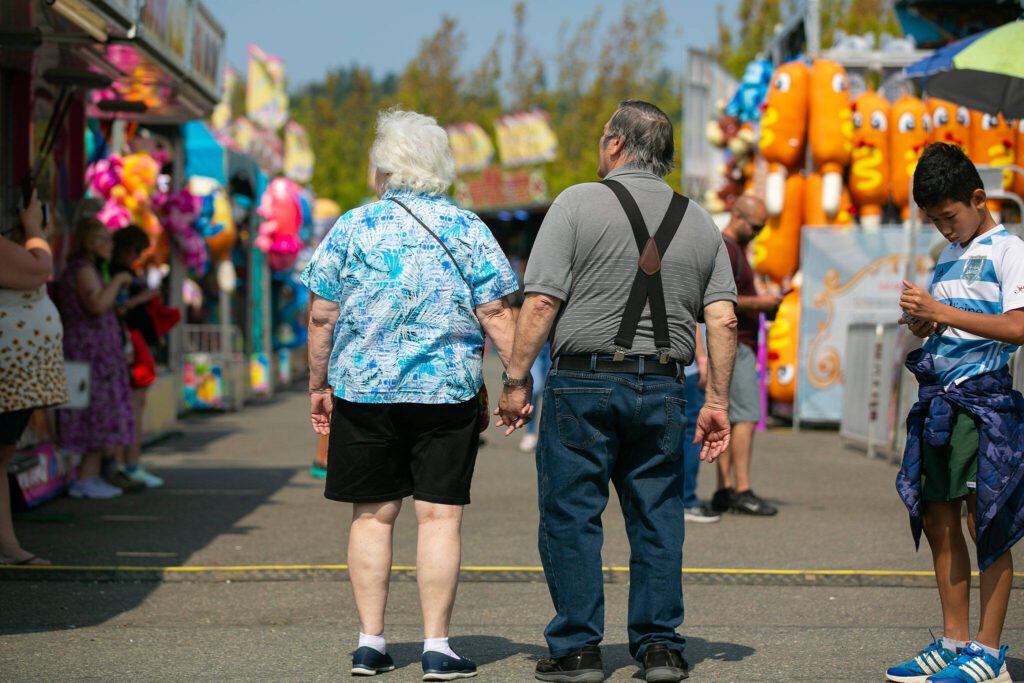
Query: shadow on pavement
{"points": [[160, 527]]}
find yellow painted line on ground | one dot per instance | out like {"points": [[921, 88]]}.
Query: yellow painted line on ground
{"points": [[469, 568]]}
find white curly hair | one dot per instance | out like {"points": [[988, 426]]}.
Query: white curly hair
{"points": [[414, 150]]}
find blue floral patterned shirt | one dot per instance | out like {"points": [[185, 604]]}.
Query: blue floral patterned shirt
{"points": [[407, 331]]}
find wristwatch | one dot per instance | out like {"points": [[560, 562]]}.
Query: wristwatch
{"points": [[512, 381]]}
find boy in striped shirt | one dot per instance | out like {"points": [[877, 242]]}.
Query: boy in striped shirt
{"points": [[964, 439]]}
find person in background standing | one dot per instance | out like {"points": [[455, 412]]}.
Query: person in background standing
{"points": [[734, 493], [31, 356], [92, 335], [129, 243]]}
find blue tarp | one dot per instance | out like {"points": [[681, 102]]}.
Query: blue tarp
{"points": [[204, 155]]}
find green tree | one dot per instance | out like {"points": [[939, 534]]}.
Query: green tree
{"points": [[752, 28]]}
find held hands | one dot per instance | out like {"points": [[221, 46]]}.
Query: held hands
{"points": [[919, 328], [514, 408], [713, 429], [320, 407]]}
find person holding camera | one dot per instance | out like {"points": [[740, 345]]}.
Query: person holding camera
{"points": [[31, 354], [93, 336]]}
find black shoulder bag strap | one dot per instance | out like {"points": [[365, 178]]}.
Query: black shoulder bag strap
{"points": [[443, 246], [647, 285]]}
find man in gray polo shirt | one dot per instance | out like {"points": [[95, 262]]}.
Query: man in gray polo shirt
{"points": [[621, 270]]}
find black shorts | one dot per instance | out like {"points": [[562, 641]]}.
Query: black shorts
{"points": [[12, 425], [387, 451]]}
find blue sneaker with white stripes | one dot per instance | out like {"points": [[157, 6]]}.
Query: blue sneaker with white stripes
{"points": [[930, 660], [974, 665]]}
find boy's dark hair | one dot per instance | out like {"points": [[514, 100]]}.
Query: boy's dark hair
{"points": [[944, 173], [131, 238]]}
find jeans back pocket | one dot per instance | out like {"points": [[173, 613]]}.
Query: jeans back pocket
{"points": [[577, 410]]}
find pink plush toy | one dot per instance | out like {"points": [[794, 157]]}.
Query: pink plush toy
{"points": [[177, 212], [282, 217], [104, 175]]}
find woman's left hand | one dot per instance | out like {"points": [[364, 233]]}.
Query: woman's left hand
{"points": [[321, 403]]}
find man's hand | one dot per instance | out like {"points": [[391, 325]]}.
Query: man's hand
{"points": [[714, 430], [917, 302], [514, 408], [321, 404], [919, 328], [768, 302]]}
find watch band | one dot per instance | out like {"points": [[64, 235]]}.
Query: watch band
{"points": [[512, 381]]}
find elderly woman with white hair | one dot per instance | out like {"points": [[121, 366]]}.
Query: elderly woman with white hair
{"points": [[404, 290]]}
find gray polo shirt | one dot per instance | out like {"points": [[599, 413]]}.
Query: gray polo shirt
{"points": [[585, 255]]}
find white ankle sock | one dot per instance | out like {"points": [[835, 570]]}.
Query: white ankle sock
{"points": [[376, 642], [438, 645], [954, 645], [993, 651]]}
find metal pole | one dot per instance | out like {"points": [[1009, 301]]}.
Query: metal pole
{"points": [[812, 28]]}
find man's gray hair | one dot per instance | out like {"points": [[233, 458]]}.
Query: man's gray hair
{"points": [[414, 150], [646, 133]]}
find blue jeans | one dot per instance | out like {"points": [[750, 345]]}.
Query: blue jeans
{"points": [[539, 372], [691, 451], [627, 429]]}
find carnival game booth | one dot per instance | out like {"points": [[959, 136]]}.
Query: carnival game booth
{"points": [[228, 332], [66, 62]]}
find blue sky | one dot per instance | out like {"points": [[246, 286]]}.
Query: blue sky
{"points": [[312, 36]]}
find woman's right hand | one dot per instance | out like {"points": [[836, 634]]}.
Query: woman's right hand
{"points": [[123, 279]]}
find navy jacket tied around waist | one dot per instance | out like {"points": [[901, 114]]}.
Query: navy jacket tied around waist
{"points": [[998, 411]]}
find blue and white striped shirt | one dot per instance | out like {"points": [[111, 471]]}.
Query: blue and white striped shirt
{"points": [[986, 276]]}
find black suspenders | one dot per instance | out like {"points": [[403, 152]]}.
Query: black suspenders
{"points": [[647, 285]]}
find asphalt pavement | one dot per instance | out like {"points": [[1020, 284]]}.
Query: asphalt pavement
{"points": [[235, 570]]}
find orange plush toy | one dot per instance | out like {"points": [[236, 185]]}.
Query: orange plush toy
{"points": [[830, 132], [950, 123], [909, 134], [869, 172], [992, 143], [1018, 183], [814, 212], [777, 247], [783, 349], [783, 130]]}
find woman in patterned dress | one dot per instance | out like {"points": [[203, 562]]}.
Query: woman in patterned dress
{"points": [[92, 335], [31, 355]]}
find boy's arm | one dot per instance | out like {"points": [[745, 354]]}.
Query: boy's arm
{"points": [[1005, 327]]}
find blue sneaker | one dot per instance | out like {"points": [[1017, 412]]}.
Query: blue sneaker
{"points": [[931, 660], [438, 666], [974, 665], [368, 662]]}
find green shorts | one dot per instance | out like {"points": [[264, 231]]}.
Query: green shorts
{"points": [[950, 472]]}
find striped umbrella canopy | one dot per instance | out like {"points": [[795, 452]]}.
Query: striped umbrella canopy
{"points": [[983, 72]]}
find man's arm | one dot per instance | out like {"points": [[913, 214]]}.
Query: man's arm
{"points": [[761, 303], [720, 317], [323, 315], [533, 327], [713, 428], [498, 319]]}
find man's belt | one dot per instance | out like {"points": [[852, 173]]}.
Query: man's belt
{"points": [[639, 365]]}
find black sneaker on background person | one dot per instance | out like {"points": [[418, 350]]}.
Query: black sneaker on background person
{"points": [[662, 664], [582, 666], [748, 503], [723, 499], [701, 514]]}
